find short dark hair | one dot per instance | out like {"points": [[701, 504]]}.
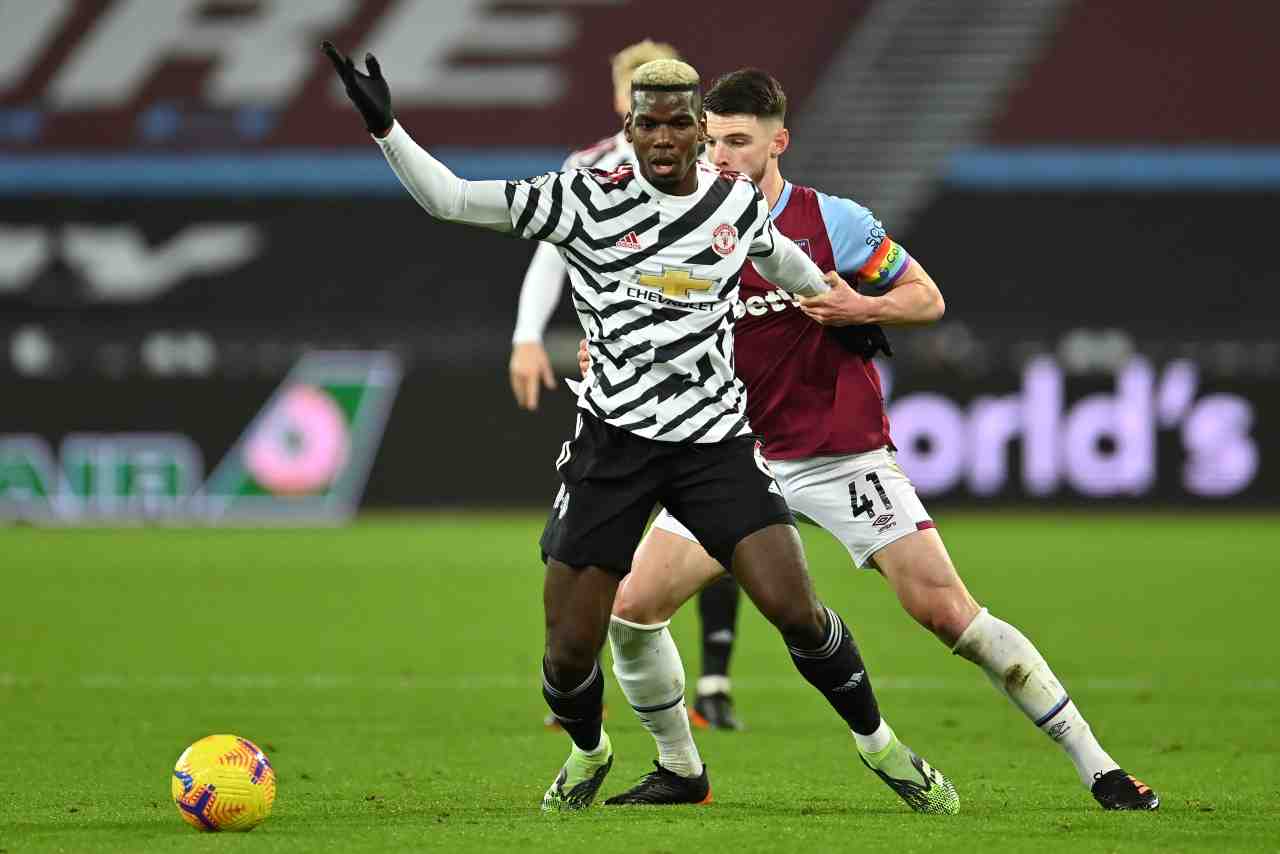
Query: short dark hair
{"points": [[749, 92]]}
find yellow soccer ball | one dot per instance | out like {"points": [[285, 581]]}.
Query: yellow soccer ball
{"points": [[223, 782]]}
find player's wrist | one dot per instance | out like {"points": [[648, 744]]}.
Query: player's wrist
{"points": [[391, 135], [872, 310]]}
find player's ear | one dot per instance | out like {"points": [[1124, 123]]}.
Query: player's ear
{"points": [[626, 127], [703, 136], [781, 141]]}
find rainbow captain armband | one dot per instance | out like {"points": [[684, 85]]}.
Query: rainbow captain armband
{"points": [[883, 268]]}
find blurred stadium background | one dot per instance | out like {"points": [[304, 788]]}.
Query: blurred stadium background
{"points": [[217, 305], [188, 205]]}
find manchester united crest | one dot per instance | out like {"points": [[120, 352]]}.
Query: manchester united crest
{"points": [[724, 240]]}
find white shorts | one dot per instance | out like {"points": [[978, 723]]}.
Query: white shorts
{"points": [[864, 500]]}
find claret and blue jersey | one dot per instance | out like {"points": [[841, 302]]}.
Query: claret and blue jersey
{"points": [[806, 394]]}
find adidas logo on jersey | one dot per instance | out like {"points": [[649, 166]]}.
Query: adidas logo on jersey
{"points": [[628, 241]]}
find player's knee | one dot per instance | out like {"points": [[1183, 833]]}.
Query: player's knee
{"points": [[946, 612], [569, 658], [635, 607], [638, 611], [802, 624]]}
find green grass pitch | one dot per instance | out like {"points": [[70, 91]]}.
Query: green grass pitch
{"points": [[390, 670]]}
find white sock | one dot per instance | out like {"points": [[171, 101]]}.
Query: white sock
{"points": [[1018, 671], [875, 742], [651, 674], [713, 685]]}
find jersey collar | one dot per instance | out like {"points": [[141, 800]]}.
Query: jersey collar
{"points": [[783, 198], [705, 175]]}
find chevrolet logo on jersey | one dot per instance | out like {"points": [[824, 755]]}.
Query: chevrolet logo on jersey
{"points": [[676, 284]]}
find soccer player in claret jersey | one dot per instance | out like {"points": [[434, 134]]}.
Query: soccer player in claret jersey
{"points": [[816, 400], [530, 371], [655, 255]]}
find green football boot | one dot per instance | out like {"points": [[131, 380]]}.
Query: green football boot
{"points": [[923, 787], [579, 779]]}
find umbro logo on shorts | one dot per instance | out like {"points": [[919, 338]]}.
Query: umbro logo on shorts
{"points": [[883, 521]]}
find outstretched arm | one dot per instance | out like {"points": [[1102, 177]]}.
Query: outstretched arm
{"points": [[443, 194]]}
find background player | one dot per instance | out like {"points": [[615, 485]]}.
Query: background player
{"points": [[530, 371], [821, 412], [656, 254]]}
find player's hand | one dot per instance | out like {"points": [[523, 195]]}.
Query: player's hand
{"points": [[584, 358], [840, 306], [369, 92], [530, 370]]}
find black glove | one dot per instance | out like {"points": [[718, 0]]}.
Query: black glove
{"points": [[864, 341], [369, 92]]}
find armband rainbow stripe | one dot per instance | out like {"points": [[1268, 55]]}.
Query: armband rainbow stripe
{"points": [[885, 264]]}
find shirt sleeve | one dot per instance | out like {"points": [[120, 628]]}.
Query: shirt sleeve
{"points": [[862, 248], [790, 268], [539, 207], [778, 259], [441, 193], [543, 282], [764, 236]]}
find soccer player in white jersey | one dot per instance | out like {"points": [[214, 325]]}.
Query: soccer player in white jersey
{"points": [[655, 255], [530, 367], [530, 371], [821, 413]]}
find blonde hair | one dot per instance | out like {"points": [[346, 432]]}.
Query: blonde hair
{"points": [[666, 72], [633, 56]]}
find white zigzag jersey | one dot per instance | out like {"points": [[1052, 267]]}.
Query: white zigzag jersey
{"points": [[607, 154], [654, 280]]}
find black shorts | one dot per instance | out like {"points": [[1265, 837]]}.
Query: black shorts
{"points": [[612, 479]]}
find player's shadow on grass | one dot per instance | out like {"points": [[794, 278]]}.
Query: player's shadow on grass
{"points": [[151, 827], [795, 809]]}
